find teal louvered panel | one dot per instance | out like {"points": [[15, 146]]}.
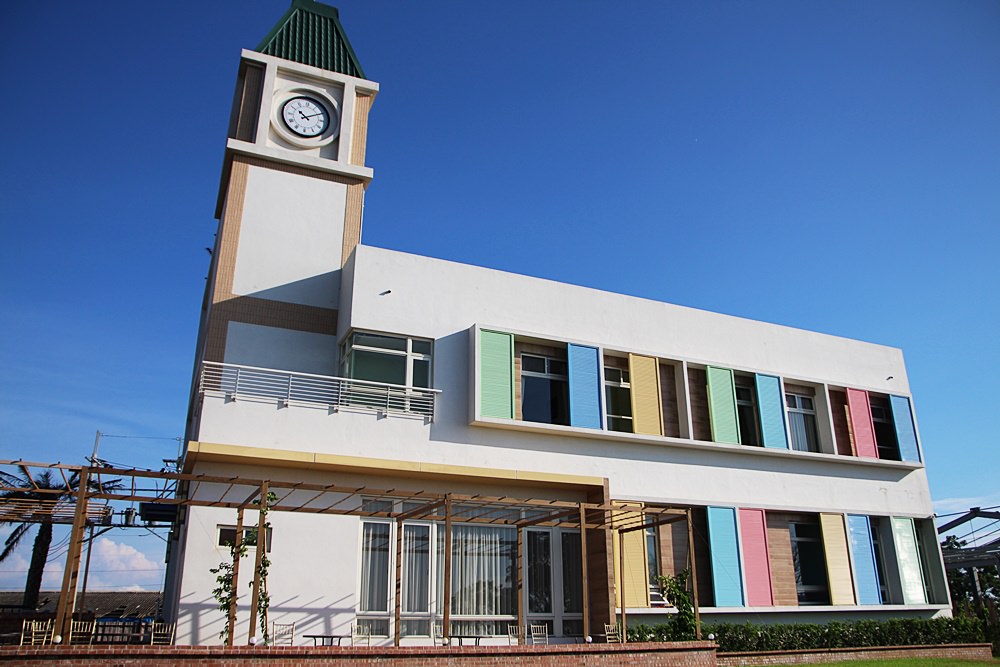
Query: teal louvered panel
{"points": [[727, 576], [496, 374], [866, 580], [770, 407], [584, 386], [906, 434], [722, 405]]}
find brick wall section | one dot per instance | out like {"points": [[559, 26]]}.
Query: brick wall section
{"points": [[668, 395], [680, 654], [949, 651], [698, 389], [841, 425], [779, 553], [673, 547]]}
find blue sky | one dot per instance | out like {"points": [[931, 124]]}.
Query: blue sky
{"points": [[832, 166]]}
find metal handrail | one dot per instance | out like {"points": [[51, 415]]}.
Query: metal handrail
{"points": [[290, 388]]}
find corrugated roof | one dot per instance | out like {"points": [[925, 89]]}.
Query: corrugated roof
{"points": [[102, 604], [310, 33]]}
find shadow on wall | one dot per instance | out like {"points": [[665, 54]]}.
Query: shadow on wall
{"points": [[203, 619]]}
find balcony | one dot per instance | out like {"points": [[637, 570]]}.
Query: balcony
{"points": [[234, 383]]}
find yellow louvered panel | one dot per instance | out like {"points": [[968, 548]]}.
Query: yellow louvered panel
{"points": [[647, 415], [838, 564], [636, 581]]}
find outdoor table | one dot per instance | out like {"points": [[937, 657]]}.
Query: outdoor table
{"points": [[461, 639], [326, 640]]}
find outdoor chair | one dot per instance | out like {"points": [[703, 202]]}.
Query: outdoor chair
{"points": [[361, 633], [540, 634], [82, 632], [612, 633], [513, 634], [282, 634], [162, 634], [36, 633]]}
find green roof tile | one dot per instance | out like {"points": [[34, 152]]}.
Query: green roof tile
{"points": [[310, 33]]}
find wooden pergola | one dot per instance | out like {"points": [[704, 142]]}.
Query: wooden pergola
{"points": [[242, 494]]}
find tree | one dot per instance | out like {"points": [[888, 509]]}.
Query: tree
{"points": [[41, 486]]}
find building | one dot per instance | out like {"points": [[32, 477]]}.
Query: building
{"points": [[507, 429]]}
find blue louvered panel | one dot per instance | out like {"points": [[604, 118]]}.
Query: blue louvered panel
{"points": [[906, 434], [727, 578], [584, 386], [863, 554], [770, 406]]}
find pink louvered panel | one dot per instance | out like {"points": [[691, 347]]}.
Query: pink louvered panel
{"points": [[753, 531], [861, 423]]}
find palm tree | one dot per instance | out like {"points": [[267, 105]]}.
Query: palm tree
{"points": [[36, 487]]}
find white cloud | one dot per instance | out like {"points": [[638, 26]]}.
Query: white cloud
{"points": [[952, 505], [119, 566]]}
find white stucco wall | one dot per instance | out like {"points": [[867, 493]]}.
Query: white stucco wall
{"points": [[284, 349], [291, 238], [317, 592]]}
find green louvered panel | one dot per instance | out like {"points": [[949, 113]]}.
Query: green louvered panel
{"points": [[722, 405], [310, 33], [904, 536], [496, 374]]}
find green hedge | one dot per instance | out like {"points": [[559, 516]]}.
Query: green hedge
{"points": [[791, 636]]}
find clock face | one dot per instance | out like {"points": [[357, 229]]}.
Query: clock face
{"points": [[305, 116]]}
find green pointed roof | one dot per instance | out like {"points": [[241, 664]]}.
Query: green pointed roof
{"points": [[310, 33]]}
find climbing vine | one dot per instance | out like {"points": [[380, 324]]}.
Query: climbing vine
{"points": [[224, 593]]}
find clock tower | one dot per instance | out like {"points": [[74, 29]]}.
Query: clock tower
{"points": [[290, 200]]}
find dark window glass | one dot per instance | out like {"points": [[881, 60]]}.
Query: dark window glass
{"points": [[539, 572], [544, 400], [377, 340], [532, 364], [810, 564]]}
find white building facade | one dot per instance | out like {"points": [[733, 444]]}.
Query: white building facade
{"points": [[324, 361]]}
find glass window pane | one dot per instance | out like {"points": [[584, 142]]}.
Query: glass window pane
{"points": [[557, 367], [374, 567], [416, 568], [532, 364], [483, 571], [378, 340], [539, 572], [421, 373], [572, 575], [422, 347], [806, 402], [612, 375], [378, 367]]}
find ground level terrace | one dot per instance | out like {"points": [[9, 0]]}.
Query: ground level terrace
{"points": [[414, 559]]}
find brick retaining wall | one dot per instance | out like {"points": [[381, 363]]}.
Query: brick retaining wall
{"points": [[762, 658], [679, 654]]}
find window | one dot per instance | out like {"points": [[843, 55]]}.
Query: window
{"points": [[618, 399], [390, 359], [227, 536], [802, 421], [809, 562], [885, 428], [374, 567], [544, 390], [653, 556], [746, 410], [554, 600]]}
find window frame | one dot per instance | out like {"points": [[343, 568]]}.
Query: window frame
{"points": [[348, 347], [552, 377], [623, 382], [797, 409]]}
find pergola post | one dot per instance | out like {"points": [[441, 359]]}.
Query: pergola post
{"points": [[398, 595], [67, 597], [583, 571], [261, 548], [235, 584], [621, 583], [446, 621], [694, 576], [520, 585]]}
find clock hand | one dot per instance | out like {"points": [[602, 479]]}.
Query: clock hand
{"points": [[318, 113]]}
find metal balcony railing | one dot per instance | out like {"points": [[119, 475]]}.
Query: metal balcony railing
{"points": [[234, 382]]}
